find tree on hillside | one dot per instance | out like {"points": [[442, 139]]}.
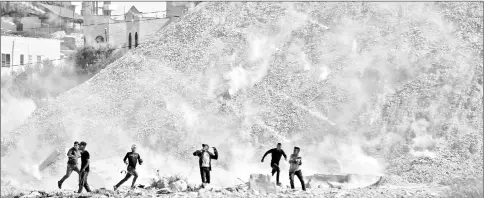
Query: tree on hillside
{"points": [[17, 9]]}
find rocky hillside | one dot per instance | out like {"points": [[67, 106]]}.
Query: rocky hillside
{"points": [[374, 88]]}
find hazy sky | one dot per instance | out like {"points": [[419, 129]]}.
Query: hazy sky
{"points": [[141, 6]]}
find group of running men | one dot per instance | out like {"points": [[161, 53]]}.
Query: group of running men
{"points": [[132, 158]]}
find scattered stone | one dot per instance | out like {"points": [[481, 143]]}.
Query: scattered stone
{"points": [[179, 186], [193, 187], [262, 184], [32, 195], [335, 185], [164, 191], [217, 189], [163, 183]]}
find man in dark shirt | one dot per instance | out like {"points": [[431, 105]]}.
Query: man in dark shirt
{"points": [[275, 158], [85, 161], [131, 159], [72, 154]]}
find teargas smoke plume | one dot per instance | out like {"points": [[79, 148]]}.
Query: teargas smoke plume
{"points": [[343, 81]]}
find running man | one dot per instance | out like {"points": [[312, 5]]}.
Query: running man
{"points": [[294, 169], [85, 161], [276, 154], [131, 159], [72, 154], [205, 162]]}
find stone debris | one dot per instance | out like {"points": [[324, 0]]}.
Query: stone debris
{"points": [[178, 186], [52, 158], [164, 191], [342, 181], [163, 183], [261, 183], [410, 190]]}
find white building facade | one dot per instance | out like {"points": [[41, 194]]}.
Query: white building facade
{"points": [[20, 51]]}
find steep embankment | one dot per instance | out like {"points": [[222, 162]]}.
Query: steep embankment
{"points": [[374, 88]]}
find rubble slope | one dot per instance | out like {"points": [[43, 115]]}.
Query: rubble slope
{"points": [[400, 83]]}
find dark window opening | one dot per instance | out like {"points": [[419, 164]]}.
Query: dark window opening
{"points": [[136, 39], [5, 60], [21, 59], [20, 27], [39, 59], [129, 41], [99, 39]]}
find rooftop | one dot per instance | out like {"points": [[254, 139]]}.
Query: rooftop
{"points": [[60, 11]]}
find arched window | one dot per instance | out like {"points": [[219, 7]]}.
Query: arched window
{"points": [[99, 39], [136, 39], [129, 41]]}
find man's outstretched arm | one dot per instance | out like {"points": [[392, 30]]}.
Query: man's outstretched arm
{"points": [[269, 151], [284, 154]]}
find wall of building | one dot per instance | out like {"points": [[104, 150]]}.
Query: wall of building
{"points": [[30, 23], [133, 29], [95, 26], [7, 23], [117, 34], [149, 28], [118, 31], [174, 10], [27, 46]]}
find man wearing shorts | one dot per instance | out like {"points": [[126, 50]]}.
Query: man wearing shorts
{"points": [[72, 154], [131, 159]]}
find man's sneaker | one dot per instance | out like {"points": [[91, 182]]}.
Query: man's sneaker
{"points": [[115, 188], [279, 183], [59, 184], [133, 187]]}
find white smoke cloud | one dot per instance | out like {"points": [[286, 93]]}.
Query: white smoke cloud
{"points": [[203, 124]]}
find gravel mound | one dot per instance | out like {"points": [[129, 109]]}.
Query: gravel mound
{"points": [[405, 79]]}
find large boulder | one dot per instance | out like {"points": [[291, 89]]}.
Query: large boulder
{"points": [[321, 180], [179, 186], [340, 180], [262, 183], [162, 183]]}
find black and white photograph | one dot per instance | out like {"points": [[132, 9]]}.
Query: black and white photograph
{"points": [[248, 99]]}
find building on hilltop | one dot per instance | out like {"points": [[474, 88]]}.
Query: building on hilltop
{"points": [[176, 9], [37, 19], [63, 19], [20, 51], [125, 34]]}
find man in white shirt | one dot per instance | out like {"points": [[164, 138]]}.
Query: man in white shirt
{"points": [[295, 168], [205, 162]]}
